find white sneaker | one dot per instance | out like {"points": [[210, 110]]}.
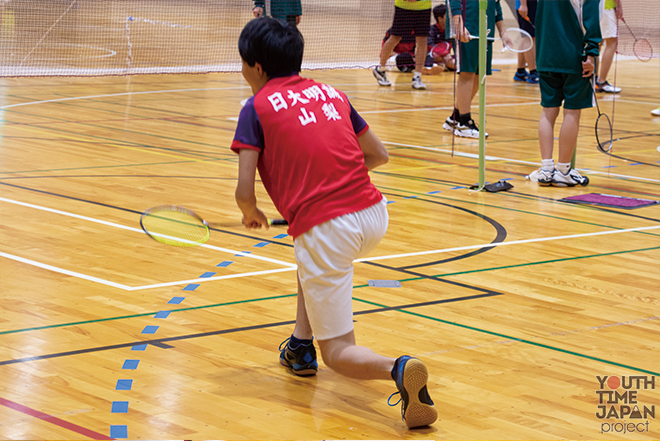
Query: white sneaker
{"points": [[417, 83], [381, 77], [655, 112], [543, 177], [469, 130], [449, 124], [571, 179], [607, 88]]}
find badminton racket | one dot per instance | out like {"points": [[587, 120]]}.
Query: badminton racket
{"points": [[181, 227], [516, 40], [641, 47], [603, 128]]}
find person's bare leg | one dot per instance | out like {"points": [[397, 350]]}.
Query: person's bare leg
{"points": [[606, 58], [568, 135], [465, 91], [547, 131], [342, 355], [388, 48], [302, 329], [420, 53], [530, 56]]}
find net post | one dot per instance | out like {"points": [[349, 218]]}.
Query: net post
{"points": [[483, 33]]}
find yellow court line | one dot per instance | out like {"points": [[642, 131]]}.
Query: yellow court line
{"points": [[73, 138]]}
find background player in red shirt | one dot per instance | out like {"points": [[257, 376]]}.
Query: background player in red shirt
{"points": [[313, 152]]}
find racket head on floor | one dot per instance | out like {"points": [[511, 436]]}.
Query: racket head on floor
{"points": [[175, 225], [604, 133], [519, 40]]}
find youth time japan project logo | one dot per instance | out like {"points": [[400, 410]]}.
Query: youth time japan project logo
{"points": [[621, 407]]}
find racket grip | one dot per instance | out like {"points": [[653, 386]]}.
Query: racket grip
{"points": [[277, 222]]}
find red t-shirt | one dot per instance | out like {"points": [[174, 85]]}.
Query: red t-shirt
{"points": [[310, 159]]}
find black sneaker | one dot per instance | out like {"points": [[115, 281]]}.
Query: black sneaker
{"points": [[417, 409], [302, 359]]}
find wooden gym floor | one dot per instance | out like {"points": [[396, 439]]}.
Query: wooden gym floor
{"points": [[515, 300]]}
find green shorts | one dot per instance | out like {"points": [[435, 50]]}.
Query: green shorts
{"points": [[469, 57], [572, 89]]}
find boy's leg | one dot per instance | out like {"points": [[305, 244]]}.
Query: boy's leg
{"points": [[420, 57], [547, 131], [410, 375], [302, 329], [342, 355], [465, 91], [388, 48], [568, 135]]}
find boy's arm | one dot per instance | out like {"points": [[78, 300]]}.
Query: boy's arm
{"points": [[374, 151], [591, 22], [245, 196]]}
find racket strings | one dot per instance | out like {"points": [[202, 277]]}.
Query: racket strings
{"points": [[519, 40], [175, 227]]}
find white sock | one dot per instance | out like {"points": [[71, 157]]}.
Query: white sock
{"points": [[417, 75], [564, 167], [381, 69], [548, 164]]}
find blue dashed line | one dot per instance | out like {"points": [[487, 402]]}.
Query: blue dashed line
{"points": [[390, 202], [207, 275], [124, 385], [636, 163], [176, 300], [162, 314], [119, 432], [457, 188], [434, 192], [139, 347], [225, 264], [119, 407], [150, 329], [609, 166], [507, 179], [131, 364], [191, 287], [261, 244], [280, 236], [243, 253], [410, 197]]}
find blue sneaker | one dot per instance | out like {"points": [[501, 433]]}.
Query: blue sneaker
{"points": [[301, 359], [520, 76], [410, 376], [533, 78]]}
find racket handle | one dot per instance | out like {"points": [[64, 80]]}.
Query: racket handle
{"points": [[277, 222]]}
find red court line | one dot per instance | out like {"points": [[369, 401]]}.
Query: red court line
{"points": [[54, 420]]}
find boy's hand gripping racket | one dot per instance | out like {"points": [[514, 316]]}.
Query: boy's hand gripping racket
{"points": [[181, 227]]}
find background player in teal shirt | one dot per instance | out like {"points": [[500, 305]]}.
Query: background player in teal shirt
{"points": [[567, 41]]}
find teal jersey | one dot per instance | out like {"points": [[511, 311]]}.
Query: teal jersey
{"points": [[281, 8], [566, 31], [493, 12]]}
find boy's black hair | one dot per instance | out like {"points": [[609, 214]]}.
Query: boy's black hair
{"points": [[439, 11], [278, 47]]}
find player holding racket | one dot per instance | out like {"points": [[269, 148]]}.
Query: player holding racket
{"points": [[565, 69], [460, 122], [313, 152]]}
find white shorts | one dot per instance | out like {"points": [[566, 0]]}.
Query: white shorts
{"points": [[608, 25], [325, 256]]}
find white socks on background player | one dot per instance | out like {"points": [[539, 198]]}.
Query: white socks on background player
{"points": [[417, 75], [549, 165]]}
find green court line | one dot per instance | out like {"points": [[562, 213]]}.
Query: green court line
{"points": [[522, 340], [410, 279], [105, 166]]}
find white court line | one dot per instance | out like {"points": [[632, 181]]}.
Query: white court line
{"points": [[120, 94], [139, 230], [519, 161], [499, 244], [426, 109]]}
